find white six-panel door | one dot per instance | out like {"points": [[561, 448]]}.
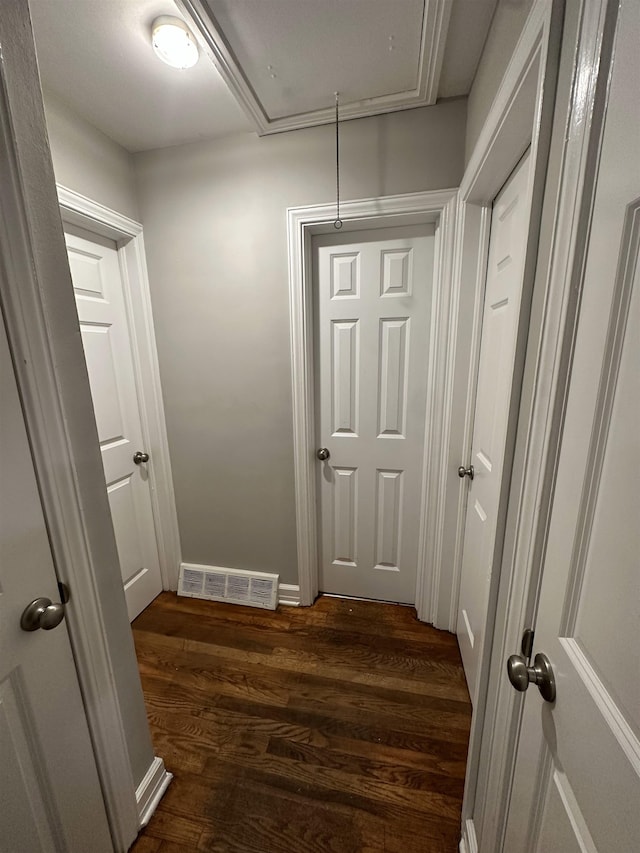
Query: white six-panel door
{"points": [[50, 797], [505, 267], [373, 303], [577, 781], [97, 283]]}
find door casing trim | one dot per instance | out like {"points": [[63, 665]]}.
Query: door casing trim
{"points": [[495, 730], [520, 117], [302, 223], [81, 211]]}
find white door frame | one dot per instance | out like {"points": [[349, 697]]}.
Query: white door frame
{"points": [[79, 210], [495, 726], [519, 117], [302, 223]]}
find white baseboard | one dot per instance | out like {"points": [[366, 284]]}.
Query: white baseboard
{"points": [[468, 842], [150, 790], [289, 594]]}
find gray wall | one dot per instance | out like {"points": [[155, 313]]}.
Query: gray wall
{"points": [[505, 30], [214, 216], [87, 161]]}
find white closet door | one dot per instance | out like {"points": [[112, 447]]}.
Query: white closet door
{"points": [[505, 268], [106, 339], [373, 304]]}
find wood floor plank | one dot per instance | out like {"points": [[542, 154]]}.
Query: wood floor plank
{"points": [[443, 681], [171, 847], [388, 773], [376, 728], [165, 826], [147, 844], [340, 728], [330, 783], [253, 825]]}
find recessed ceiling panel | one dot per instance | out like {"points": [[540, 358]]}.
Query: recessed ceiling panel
{"points": [[296, 54], [284, 59]]}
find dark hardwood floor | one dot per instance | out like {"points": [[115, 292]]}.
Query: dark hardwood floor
{"points": [[340, 728]]}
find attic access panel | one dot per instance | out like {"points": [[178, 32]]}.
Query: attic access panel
{"points": [[284, 59]]}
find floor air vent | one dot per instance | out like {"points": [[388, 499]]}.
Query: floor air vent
{"points": [[235, 586]]}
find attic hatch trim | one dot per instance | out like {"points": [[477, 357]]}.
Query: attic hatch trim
{"points": [[435, 26]]}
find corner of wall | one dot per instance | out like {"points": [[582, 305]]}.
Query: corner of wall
{"points": [[506, 27], [88, 161]]}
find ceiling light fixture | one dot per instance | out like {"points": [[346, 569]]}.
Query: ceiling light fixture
{"points": [[173, 42]]}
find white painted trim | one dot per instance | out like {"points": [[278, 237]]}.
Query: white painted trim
{"points": [[436, 468], [514, 122], [520, 116], [494, 739], [468, 842], [302, 222], [435, 25], [601, 695], [473, 227], [289, 594], [79, 210], [151, 790]]}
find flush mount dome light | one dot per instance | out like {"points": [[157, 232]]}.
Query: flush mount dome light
{"points": [[173, 42]]}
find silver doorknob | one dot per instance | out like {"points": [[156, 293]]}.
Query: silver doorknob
{"points": [[540, 674], [466, 472], [323, 454], [139, 457], [41, 613]]}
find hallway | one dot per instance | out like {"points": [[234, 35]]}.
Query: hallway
{"points": [[342, 727]]}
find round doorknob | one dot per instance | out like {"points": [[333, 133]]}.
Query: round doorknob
{"points": [[323, 454], [540, 674], [465, 472], [41, 613], [518, 673], [139, 457]]}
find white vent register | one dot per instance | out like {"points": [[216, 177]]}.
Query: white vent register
{"points": [[235, 586]]}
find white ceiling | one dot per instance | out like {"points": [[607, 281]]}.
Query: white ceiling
{"points": [[380, 54], [96, 55]]}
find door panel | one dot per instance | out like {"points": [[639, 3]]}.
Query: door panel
{"points": [[503, 296], [344, 381], [388, 517], [97, 283], [392, 376], [49, 790], [373, 307], [577, 782]]}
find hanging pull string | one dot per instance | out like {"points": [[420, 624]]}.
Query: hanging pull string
{"points": [[338, 222]]}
